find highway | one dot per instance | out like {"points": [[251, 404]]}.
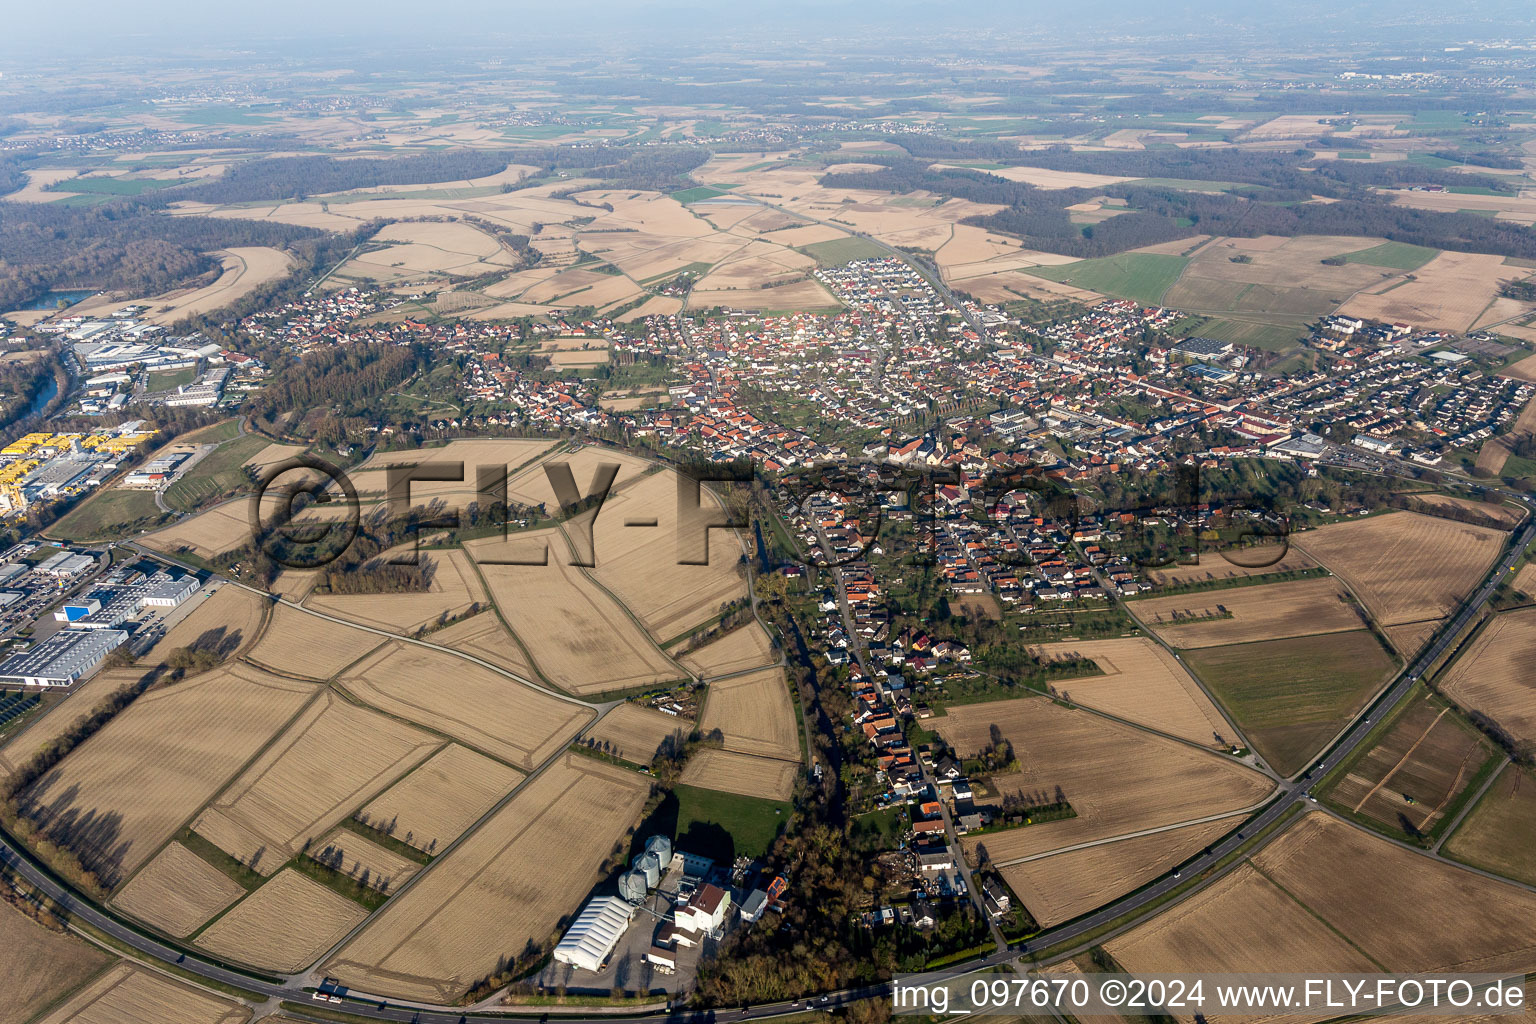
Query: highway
{"points": [[1290, 795]]}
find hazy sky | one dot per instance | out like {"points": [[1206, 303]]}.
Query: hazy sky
{"points": [[193, 25]]}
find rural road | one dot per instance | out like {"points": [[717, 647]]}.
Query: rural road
{"points": [[1202, 870]]}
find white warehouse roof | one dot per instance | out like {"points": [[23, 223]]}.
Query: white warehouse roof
{"points": [[596, 930]]}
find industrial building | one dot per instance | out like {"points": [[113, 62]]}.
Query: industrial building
{"points": [[63, 658], [595, 933], [123, 595], [64, 564]]}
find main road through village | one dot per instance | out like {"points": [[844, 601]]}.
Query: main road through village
{"points": [[1189, 878]]}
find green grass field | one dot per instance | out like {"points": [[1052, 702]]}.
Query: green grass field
{"points": [[1139, 276], [724, 825], [113, 186], [1291, 696], [698, 192], [1192, 184], [223, 115], [1394, 256], [1270, 336], [216, 474], [110, 513], [168, 380], [1496, 836], [841, 250]]}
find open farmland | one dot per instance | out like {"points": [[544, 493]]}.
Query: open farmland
{"points": [[1060, 886], [740, 650], [483, 636], [357, 857], [532, 486], [177, 891], [208, 534], [754, 714], [1142, 277], [284, 925], [117, 797], [55, 722], [222, 617], [641, 565], [1494, 675], [1451, 292], [134, 995], [308, 646], [508, 884], [1498, 834], [637, 734], [372, 477], [1291, 696], [1212, 566], [743, 774], [1118, 779], [1243, 922], [1405, 566], [39, 965], [453, 589], [1272, 611], [1432, 917], [335, 757], [479, 707], [1423, 762], [580, 638], [1143, 683], [433, 805]]}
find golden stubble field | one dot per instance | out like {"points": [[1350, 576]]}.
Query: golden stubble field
{"points": [[117, 797], [454, 588], [1118, 779], [39, 964], [637, 734], [1271, 611], [436, 803], [223, 617], [475, 705], [208, 534], [1142, 683], [296, 643], [483, 636], [134, 995], [743, 774], [283, 926], [1212, 566], [754, 715], [742, 649], [1061, 886], [1405, 566], [1497, 674], [177, 891], [509, 883], [1450, 292], [334, 758], [361, 858]]}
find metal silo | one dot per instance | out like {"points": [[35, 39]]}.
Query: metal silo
{"points": [[632, 886], [661, 846], [648, 863]]}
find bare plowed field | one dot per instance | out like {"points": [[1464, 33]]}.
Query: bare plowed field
{"points": [[742, 774], [737, 651], [432, 806], [177, 891], [580, 638], [1405, 566], [1060, 887], [332, 760], [1432, 917], [480, 707], [134, 995], [1143, 683], [1118, 779], [284, 925], [1273, 611], [454, 588], [117, 797], [307, 646], [754, 714], [637, 734], [508, 884], [39, 965], [1497, 674]]}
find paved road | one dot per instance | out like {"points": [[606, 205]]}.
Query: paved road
{"points": [[1291, 794]]}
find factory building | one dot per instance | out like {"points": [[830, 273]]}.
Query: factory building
{"points": [[595, 933], [63, 658], [123, 596]]}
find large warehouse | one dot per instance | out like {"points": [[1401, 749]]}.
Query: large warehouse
{"points": [[597, 929], [62, 658]]}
